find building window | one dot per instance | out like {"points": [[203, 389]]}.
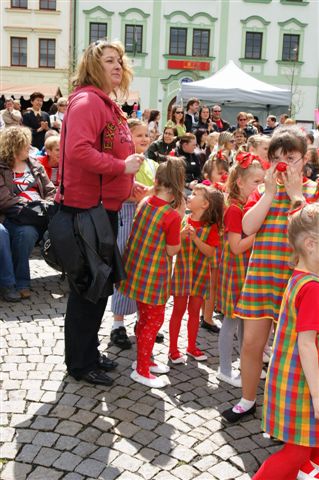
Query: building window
{"points": [[201, 43], [290, 47], [19, 3], [97, 31], [134, 38], [177, 41], [253, 45], [18, 51], [46, 53], [47, 4]]}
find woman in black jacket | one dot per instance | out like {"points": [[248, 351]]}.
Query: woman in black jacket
{"points": [[158, 150], [185, 149]]}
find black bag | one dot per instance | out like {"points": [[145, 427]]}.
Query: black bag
{"points": [[36, 214]]}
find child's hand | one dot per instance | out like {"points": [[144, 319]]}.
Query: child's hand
{"points": [[184, 232], [315, 402], [191, 232], [293, 183], [271, 181]]}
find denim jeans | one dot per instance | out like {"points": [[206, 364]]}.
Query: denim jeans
{"points": [[22, 238], [7, 278]]}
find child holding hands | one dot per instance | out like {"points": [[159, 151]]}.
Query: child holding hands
{"points": [[191, 278], [154, 239], [291, 403]]}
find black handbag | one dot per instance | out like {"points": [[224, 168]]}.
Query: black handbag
{"points": [[34, 213]]}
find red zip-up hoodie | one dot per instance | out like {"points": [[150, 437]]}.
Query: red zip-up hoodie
{"points": [[95, 141]]}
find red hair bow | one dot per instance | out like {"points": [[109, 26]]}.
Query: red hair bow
{"points": [[245, 159], [220, 155]]}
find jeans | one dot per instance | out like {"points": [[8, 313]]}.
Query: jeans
{"points": [[22, 238], [7, 278]]}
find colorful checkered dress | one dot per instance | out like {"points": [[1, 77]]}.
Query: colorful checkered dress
{"points": [[147, 264], [191, 275], [288, 412], [232, 275], [268, 269]]}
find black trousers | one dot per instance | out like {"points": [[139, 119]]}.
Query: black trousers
{"points": [[82, 323]]}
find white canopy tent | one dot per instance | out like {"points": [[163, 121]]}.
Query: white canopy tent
{"points": [[235, 90]]}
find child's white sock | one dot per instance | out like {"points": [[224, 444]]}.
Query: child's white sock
{"points": [[117, 324], [243, 405]]}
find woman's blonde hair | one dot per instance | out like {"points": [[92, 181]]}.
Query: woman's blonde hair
{"points": [[90, 70], [215, 210], [224, 138], [255, 140], [12, 141], [303, 223], [171, 175]]}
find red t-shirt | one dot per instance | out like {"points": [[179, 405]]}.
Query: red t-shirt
{"points": [[307, 305], [213, 236], [233, 219], [172, 222]]}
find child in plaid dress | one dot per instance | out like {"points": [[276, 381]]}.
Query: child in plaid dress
{"points": [[244, 177], [154, 239], [291, 403], [268, 272], [191, 278]]}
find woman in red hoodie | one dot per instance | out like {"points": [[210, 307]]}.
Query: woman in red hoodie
{"points": [[99, 163]]}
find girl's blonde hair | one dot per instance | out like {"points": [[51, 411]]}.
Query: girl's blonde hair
{"points": [[256, 140], [12, 141], [303, 223], [90, 70], [236, 172], [171, 175], [215, 210], [134, 123], [224, 137]]}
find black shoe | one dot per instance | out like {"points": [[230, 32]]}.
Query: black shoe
{"points": [[218, 315], [106, 364], [233, 417], [209, 327], [97, 377], [9, 294], [159, 338], [120, 339]]}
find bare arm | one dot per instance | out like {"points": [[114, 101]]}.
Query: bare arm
{"points": [[239, 245], [255, 217], [309, 361], [203, 247], [172, 250]]}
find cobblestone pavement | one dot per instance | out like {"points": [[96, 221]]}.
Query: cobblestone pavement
{"points": [[54, 427]]}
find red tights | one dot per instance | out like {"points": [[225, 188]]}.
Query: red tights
{"points": [[151, 318], [193, 307], [286, 463]]}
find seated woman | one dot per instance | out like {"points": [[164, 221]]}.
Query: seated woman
{"points": [[158, 150], [50, 161], [22, 180], [177, 120]]}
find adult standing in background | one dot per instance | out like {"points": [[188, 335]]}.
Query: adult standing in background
{"points": [[271, 124], [99, 165], [10, 116], [221, 124], [204, 120], [57, 118], [37, 120], [191, 117]]}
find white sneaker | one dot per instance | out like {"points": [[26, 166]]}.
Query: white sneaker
{"points": [[149, 382], [232, 380], [263, 375], [308, 476], [177, 358], [158, 368]]}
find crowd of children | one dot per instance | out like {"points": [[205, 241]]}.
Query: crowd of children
{"points": [[235, 233]]}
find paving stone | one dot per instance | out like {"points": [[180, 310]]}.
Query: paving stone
{"points": [[67, 461], [73, 476], [224, 471], [7, 434], [24, 435], [206, 462], [66, 443], [129, 463], [28, 453], [68, 428], [41, 473], [165, 462], [105, 455], [44, 423], [90, 434], [109, 473], [90, 467], [148, 471], [46, 456], [45, 439], [161, 444], [126, 429], [9, 450], [84, 449], [185, 472]]}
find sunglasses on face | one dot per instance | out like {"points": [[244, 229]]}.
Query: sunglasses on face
{"points": [[217, 111], [179, 112]]}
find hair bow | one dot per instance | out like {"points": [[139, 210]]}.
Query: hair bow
{"points": [[220, 155], [245, 159]]}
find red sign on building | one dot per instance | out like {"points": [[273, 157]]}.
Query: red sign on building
{"points": [[188, 65]]}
